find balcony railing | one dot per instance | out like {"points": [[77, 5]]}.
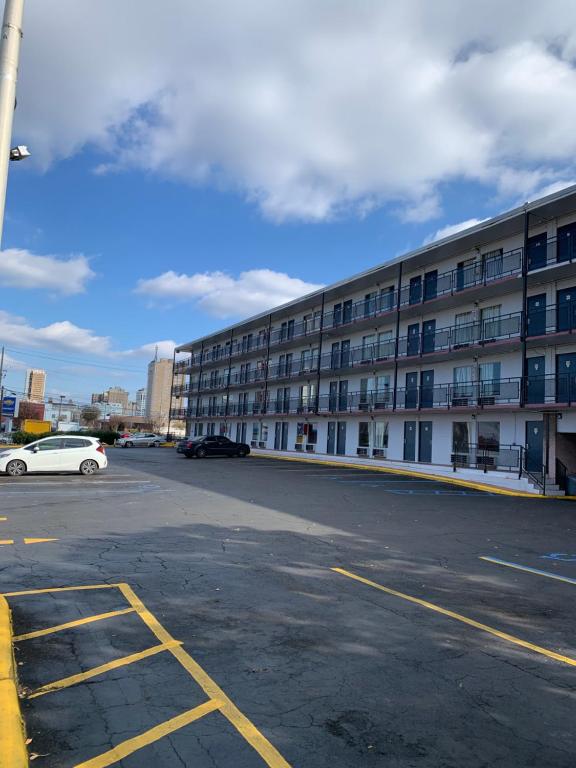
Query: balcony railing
{"points": [[556, 318], [488, 457], [481, 272], [477, 394], [543, 252], [461, 336]]}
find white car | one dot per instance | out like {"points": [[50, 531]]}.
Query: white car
{"points": [[141, 439], [55, 454]]}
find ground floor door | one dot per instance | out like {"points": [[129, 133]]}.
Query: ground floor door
{"points": [[534, 445], [243, 433], [284, 439], [409, 441], [341, 438], [277, 435], [331, 442], [425, 442]]}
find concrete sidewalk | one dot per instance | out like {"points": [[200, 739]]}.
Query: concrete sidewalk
{"points": [[496, 482]]}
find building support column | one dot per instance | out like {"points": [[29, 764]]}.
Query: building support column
{"points": [[268, 335], [199, 380], [320, 342], [394, 396], [228, 379], [524, 322], [171, 395]]}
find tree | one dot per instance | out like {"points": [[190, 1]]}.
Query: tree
{"points": [[90, 413]]}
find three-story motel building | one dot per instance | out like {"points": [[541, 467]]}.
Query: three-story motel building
{"points": [[460, 353]]}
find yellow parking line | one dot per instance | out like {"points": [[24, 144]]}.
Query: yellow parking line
{"points": [[58, 589], [463, 619], [66, 682], [149, 737], [6, 541], [71, 624], [3, 519], [243, 725]]}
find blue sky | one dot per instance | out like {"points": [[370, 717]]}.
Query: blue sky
{"points": [[195, 174]]}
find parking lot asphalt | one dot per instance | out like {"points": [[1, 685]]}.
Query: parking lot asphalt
{"points": [[261, 612]]}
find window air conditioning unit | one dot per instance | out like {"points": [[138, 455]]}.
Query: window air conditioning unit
{"points": [[490, 400], [362, 451], [298, 447], [460, 459], [261, 444], [460, 402], [379, 453], [310, 447]]}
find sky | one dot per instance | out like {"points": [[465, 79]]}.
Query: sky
{"points": [[195, 163]]}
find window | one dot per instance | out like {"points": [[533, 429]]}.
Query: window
{"points": [[464, 330], [460, 437], [307, 433], [47, 445], [337, 314], [255, 431], [263, 432], [463, 381], [489, 375], [385, 344], [489, 435], [493, 264], [380, 435], [387, 299], [490, 320], [368, 347], [364, 434], [70, 442]]}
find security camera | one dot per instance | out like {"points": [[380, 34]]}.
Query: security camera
{"points": [[20, 152]]}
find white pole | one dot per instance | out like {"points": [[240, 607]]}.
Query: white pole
{"points": [[9, 53]]}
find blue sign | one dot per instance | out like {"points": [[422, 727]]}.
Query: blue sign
{"points": [[8, 406]]}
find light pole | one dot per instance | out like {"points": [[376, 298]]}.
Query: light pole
{"points": [[9, 55], [60, 410]]}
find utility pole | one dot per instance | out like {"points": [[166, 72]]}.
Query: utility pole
{"points": [[9, 54], [1, 387]]}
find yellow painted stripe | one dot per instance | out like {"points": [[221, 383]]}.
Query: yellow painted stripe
{"points": [[6, 541], [149, 737], [38, 541], [71, 624], [413, 473], [3, 519], [464, 619], [58, 589], [66, 682], [13, 753], [243, 725]]}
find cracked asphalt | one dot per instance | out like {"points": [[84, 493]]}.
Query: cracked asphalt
{"points": [[234, 558]]}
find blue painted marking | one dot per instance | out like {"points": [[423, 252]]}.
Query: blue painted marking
{"points": [[562, 556], [538, 572]]}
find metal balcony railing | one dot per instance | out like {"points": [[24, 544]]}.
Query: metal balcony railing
{"points": [[481, 272], [488, 457], [543, 252], [477, 394], [555, 318]]}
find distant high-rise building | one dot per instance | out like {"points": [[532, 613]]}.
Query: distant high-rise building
{"points": [[35, 387], [158, 390], [112, 395], [141, 402]]}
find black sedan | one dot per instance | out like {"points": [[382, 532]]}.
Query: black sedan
{"points": [[213, 445]]}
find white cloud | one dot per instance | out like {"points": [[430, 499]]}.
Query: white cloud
{"points": [[66, 337], [453, 229], [22, 269], [222, 295], [308, 109]]}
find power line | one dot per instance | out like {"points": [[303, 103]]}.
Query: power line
{"points": [[76, 361]]}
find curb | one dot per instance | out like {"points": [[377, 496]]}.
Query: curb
{"points": [[13, 752], [411, 473]]}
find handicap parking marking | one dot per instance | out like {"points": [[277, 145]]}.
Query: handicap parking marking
{"points": [[217, 701]]}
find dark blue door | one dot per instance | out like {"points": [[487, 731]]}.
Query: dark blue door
{"points": [[345, 354], [343, 396], [341, 438], [331, 442], [537, 251], [534, 446], [428, 336], [536, 318], [430, 285], [427, 389], [411, 390], [566, 378], [566, 309], [409, 441], [566, 242], [414, 339], [333, 396], [425, 442], [535, 381], [415, 295]]}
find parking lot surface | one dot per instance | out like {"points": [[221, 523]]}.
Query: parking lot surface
{"points": [[261, 612]]}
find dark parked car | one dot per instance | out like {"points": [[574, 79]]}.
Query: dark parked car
{"points": [[181, 444], [214, 445]]}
